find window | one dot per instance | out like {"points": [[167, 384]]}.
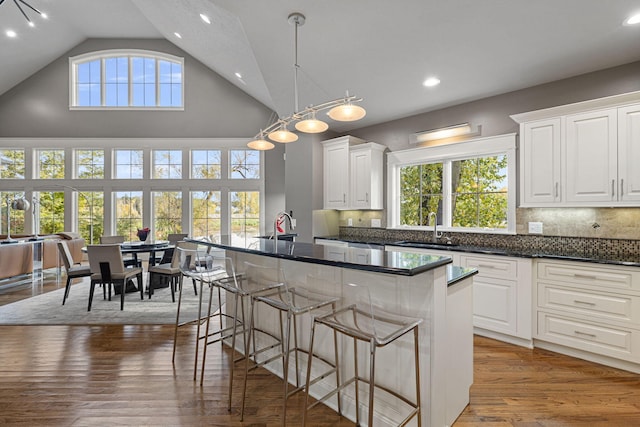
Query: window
{"points": [[11, 164], [128, 210], [90, 218], [205, 214], [125, 79], [89, 164], [465, 184], [167, 213], [17, 217], [244, 164], [245, 216], [50, 164], [51, 212], [167, 164], [206, 164], [128, 164]]}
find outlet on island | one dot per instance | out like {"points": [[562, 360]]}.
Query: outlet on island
{"points": [[535, 228], [350, 222]]}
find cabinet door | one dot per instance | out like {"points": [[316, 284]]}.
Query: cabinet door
{"points": [[336, 175], [591, 157], [629, 153], [540, 174], [361, 179]]}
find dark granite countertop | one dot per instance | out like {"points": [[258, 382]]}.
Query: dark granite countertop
{"points": [[489, 251], [380, 261], [456, 273]]}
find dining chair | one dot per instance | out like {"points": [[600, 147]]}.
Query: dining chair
{"points": [[73, 270], [128, 262], [107, 268], [174, 238], [169, 270]]}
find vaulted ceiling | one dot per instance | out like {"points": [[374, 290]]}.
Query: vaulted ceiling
{"points": [[379, 50]]}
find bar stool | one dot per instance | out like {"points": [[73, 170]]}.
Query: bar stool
{"points": [[290, 302], [360, 320]]}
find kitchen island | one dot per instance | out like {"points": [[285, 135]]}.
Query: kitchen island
{"points": [[417, 285]]}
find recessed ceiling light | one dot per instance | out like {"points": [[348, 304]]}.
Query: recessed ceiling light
{"points": [[205, 18], [633, 19], [238, 75], [431, 82], [11, 33], [177, 35]]}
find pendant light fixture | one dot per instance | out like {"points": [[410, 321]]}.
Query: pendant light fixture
{"points": [[17, 3], [341, 109]]}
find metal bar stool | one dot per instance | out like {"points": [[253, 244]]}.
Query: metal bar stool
{"points": [[359, 320], [290, 302]]}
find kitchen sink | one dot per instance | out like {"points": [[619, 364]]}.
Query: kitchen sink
{"points": [[427, 245]]}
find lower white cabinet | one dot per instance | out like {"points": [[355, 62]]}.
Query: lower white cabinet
{"points": [[588, 307]]}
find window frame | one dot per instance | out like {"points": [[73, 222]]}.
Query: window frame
{"points": [[130, 54], [478, 147]]}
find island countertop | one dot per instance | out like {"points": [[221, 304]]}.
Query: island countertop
{"points": [[380, 261]]}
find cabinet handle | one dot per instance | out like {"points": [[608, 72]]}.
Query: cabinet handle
{"points": [[584, 276], [344, 197], [621, 187], [557, 190], [584, 302], [613, 187], [485, 266], [366, 197], [585, 334]]}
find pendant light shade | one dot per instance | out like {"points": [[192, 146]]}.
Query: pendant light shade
{"points": [[347, 113], [260, 143], [283, 135], [311, 124]]}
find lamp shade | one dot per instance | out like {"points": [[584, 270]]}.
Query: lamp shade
{"points": [[311, 124], [347, 113], [283, 135], [260, 144]]}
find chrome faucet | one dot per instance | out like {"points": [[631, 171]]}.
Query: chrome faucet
{"points": [[436, 235], [280, 217]]}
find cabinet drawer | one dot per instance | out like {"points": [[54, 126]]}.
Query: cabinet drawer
{"points": [[494, 266], [607, 277], [621, 343], [605, 306]]}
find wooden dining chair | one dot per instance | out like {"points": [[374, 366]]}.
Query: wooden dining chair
{"points": [[73, 270], [128, 262], [107, 267]]}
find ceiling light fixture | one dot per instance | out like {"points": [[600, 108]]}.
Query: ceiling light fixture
{"points": [[17, 3], [178, 35], [431, 82], [204, 17], [633, 20], [341, 109]]}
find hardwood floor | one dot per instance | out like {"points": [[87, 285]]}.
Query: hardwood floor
{"points": [[123, 375]]}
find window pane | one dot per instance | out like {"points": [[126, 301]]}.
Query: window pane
{"points": [[116, 82], [167, 164], [128, 207], [50, 164], [167, 213], [205, 215], [206, 164], [128, 164], [90, 218], [89, 164], [479, 192], [244, 164], [11, 164], [245, 216], [17, 217], [88, 82], [51, 212], [420, 193]]}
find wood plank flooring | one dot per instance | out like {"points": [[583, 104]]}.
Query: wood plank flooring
{"points": [[123, 375]]}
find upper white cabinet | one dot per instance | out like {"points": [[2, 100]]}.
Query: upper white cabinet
{"points": [[581, 154], [353, 173]]}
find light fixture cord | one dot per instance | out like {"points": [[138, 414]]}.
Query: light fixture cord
{"points": [[295, 67]]}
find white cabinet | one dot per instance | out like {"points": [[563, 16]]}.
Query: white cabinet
{"points": [[501, 293], [591, 159], [581, 154], [353, 173], [366, 176], [540, 163], [592, 308]]}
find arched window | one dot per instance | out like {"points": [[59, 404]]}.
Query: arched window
{"points": [[125, 79]]}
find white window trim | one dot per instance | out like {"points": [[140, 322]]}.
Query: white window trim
{"points": [[478, 147], [130, 53]]}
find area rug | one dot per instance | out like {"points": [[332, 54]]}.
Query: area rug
{"points": [[47, 309]]}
